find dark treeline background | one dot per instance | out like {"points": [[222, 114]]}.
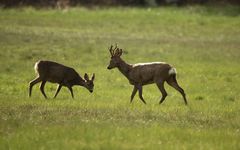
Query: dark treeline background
{"points": [[65, 3]]}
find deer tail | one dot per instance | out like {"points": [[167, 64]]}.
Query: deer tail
{"points": [[36, 66], [172, 71]]}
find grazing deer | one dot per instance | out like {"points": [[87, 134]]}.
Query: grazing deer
{"points": [[145, 73], [57, 73]]}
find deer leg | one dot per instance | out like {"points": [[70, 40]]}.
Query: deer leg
{"points": [[133, 93], [58, 89], [32, 83], [173, 82], [70, 89], [162, 90], [42, 88], [140, 94]]}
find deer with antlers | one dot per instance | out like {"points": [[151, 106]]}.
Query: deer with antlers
{"points": [[57, 73], [145, 73]]}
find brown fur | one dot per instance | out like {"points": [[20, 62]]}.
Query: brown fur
{"points": [[146, 73], [57, 73]]}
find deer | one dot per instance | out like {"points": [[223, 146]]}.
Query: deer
{"points": [[49, 71], [141, 74]]}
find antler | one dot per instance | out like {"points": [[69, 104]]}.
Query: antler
{"points": [[116, 51], [110, 50]]}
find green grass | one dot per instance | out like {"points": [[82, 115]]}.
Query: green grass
{"points": [[203, 43]]}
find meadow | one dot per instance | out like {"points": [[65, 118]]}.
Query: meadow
{"points": [[203, 43]]}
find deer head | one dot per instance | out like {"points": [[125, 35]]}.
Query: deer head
{"points": [[89, 83], [115, 57]]}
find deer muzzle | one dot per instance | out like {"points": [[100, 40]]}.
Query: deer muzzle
{"points": [[109, 67]]}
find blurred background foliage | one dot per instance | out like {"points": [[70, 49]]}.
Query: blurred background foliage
{"points": [[142, 3]]}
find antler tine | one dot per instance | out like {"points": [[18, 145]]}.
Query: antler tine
{"points": [[111, 50], [120, 52], [117, 52], [114, 50], [115, 46]]}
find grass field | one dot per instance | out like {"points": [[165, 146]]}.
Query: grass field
{"points": [[203, 43]]}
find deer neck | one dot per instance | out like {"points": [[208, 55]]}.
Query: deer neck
{"points": [[124, 68], [81, 81]]}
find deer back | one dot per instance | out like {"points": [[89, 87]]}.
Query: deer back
{"points": [[55, 72], [146, 73]]}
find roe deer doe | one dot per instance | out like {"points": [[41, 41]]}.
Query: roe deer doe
{"points": [[57, 73], [145, 73]]}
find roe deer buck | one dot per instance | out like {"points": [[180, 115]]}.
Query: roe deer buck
{"points": [[145, 73], [57, 73]]}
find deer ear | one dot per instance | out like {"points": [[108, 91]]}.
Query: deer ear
{"points": [[93, 76], [86, 77]]}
